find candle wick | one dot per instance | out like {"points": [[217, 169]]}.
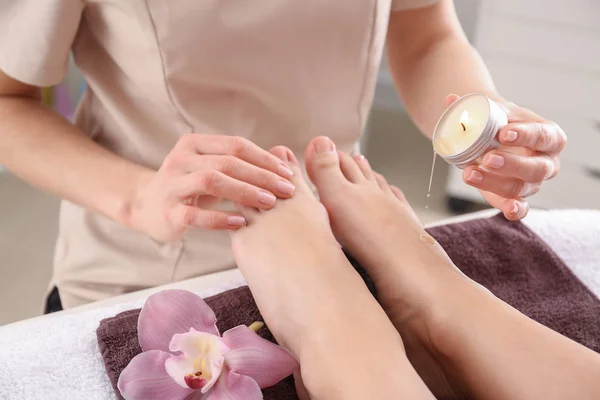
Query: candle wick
{"points": [[463, 126]]}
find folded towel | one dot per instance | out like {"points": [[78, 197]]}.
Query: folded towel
{"points": [[506, 257], [574, 235], [521, 269], [68, 363], [118, 340]]}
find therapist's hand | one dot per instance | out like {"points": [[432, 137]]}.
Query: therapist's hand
{"points": [[199, 172], [529, 155]]}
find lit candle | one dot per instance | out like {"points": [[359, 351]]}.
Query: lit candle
{"points": [[467, 129]]}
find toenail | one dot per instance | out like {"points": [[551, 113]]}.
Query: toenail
{"points": [[289, 156], [324, 146], [234, 220], [292, 158], [285, 171], [266, 198], [363, 159], [285, 188]]}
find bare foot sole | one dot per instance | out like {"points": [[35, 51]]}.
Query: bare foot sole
{"points": [[374, 222]]}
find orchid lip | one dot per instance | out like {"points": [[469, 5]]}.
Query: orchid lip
{"points": [[200, 362], [195, 381]]}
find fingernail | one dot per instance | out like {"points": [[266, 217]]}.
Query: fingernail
{"points": [[494, 161], [515, 209], [475, 177], [324, 146], [235, 220], [285, 188], [285, 171], [511, 136], [266, 198]]}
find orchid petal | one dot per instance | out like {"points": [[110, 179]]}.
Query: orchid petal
{"points": [[173, 311], [232, 386], [178, 367], [203, 353], [253, 356], [146, 378], [196, 343], [197, 395]]}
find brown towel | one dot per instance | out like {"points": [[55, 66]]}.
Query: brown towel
{"points": [[504, 256], [518, 267], [118, 340]]}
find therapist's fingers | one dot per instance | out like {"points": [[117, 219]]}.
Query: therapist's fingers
{"points": [[194, 217], [513, 209], [233, 146], [546, 137], [507, 187], [529, 169], [240, 170], [215, 183]]}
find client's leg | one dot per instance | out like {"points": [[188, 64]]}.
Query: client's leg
{"points": [[317, 305], [463, 340]]}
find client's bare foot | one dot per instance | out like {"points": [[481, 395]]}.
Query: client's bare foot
{"points": [[278, 252], [374, 222], [313, 300]]}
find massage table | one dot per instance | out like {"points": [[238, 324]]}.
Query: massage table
{"points": [[56, 356]]}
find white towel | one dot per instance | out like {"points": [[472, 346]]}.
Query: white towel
{"points": [[58, 358], [574, 235]]}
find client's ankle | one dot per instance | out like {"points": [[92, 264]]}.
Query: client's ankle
{"points": [[449, 313], [431, 311]]}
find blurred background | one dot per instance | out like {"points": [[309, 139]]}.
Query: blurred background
{"points": [[543, 55]]}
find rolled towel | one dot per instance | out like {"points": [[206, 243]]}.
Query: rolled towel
{"points": [[505, 257]]}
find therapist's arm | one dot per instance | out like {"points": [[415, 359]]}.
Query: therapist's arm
{"points": [[430, 58], [44, 149]]}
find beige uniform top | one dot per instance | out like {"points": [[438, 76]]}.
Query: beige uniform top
{"points": [[277, 72]]}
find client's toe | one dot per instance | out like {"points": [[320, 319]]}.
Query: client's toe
{"points": [[398, 193], [365, 168], [286, 155], [323, 166], [350, 168], [383, 183]]}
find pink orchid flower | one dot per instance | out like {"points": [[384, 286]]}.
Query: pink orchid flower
{"points": [[184, 357]]}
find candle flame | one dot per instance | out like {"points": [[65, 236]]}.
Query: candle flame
{"points": [[464, 120]]}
